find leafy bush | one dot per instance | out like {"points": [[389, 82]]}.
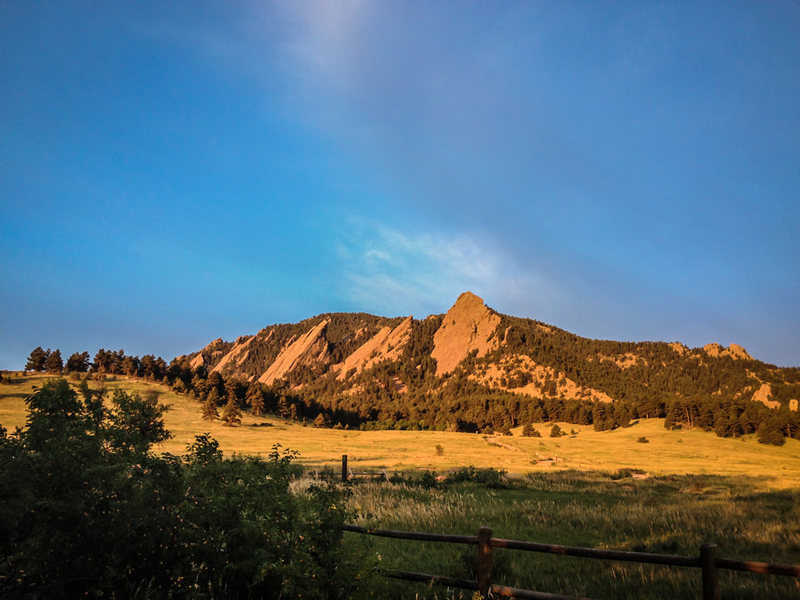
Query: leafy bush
{"points": [[425, 479], [90, 510], [643, 440], [488, 477], [556, 431], [770, 432]]}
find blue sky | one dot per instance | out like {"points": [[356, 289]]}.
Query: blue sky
{"points": [[175, 172]]}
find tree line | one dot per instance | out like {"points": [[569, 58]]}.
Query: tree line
{"points": [[114, 362]]}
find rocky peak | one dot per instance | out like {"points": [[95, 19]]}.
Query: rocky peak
{"points": [[735, 351], [467, 326]]}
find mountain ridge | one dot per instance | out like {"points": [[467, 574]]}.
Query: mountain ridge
{"points": [[334, 355]]}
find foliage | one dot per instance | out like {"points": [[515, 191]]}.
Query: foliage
{"points": [[210, 412], [417, 478], [89, 510], [231, 413], [37, 359], [769, 432], [488, 477], [78, 362]]}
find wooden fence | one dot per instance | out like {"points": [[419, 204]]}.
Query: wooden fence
{"points": [[708, 561]]}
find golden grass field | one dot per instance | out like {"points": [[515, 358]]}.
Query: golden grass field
{"points": [[683, 451]]}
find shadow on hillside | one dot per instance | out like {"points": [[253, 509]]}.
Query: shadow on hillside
{"points": [[22, 395]]}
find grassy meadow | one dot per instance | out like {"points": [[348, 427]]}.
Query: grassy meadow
{"points": [[599, 489], [680, 452], [670, 514]]}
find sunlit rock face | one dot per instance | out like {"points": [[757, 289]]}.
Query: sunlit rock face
{"points": [[468, 325]]}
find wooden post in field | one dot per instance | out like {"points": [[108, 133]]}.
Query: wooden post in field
{"points": [[344, 467], [708, 561], [484, 561]]}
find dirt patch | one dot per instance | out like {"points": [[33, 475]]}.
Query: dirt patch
{"points": [[496, 440]]}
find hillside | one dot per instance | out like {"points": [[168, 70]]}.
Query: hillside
{"points": [[690, 452], [474, 368]]}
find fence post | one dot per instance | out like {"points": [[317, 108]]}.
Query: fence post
{"points": [[344, 467], [708, 561], [484, 561]]}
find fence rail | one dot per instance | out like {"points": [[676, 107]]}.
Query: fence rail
{"points": [[708, 561]]}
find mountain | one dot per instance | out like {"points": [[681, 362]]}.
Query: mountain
{"points": [[473, 368]]}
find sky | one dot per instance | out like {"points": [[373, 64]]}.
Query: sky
{"points": [[171, 173]]}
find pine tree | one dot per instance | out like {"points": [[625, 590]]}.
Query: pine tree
{"points": [[722, 426], [256, 400], [216, 382], [283, 407], [769, 432], [213, 396], [622, 417], [210, 410], [670, 422], [231, 414], [130, 366], [54, 363], [103, 361], [36, 360], [602, 419], [322, 420], [78, 362], [705, 418]]}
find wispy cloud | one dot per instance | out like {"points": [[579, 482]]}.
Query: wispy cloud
{"points": [[400, 272]]}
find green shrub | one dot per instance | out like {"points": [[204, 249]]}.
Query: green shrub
{"points": [[488, 477], [425, 479], [90, 510]]}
